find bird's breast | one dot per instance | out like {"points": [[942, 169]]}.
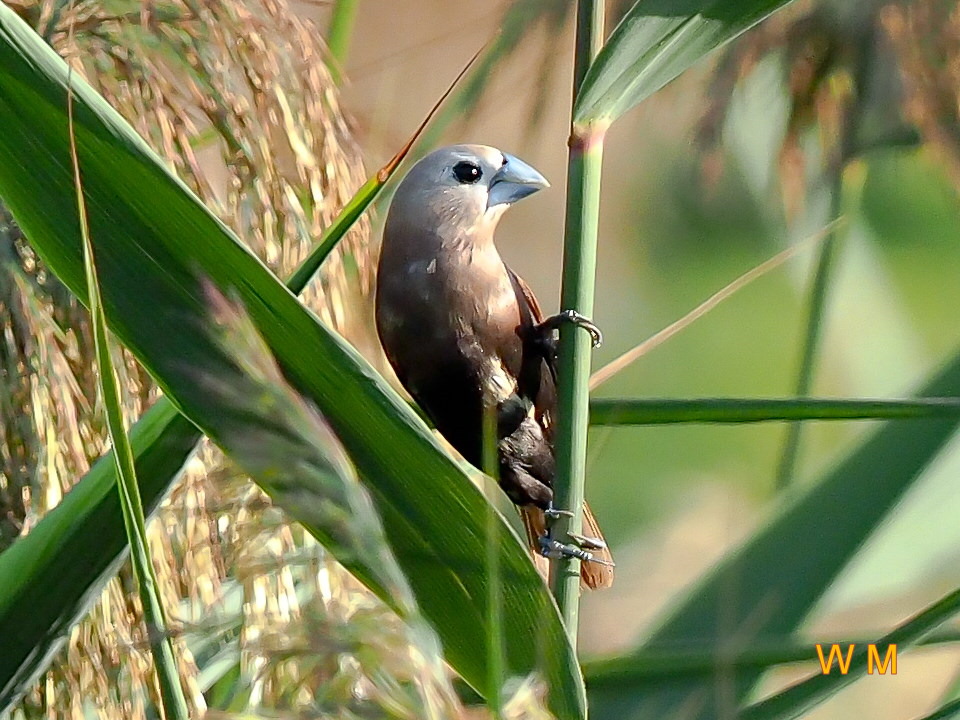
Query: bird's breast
{"points": [[457, 307]]}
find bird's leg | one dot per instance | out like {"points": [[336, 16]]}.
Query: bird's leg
{"points": [[580, 549], [543, 333]]}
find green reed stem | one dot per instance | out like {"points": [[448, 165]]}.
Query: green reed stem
{"points": [[579, 270], [844, 151], [813, 332]]}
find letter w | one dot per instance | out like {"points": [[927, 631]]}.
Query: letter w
{"points": [[826, 664]]}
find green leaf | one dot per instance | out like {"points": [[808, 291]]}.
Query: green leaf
{"points": [[762, 591], [947, 711], [804, 695], [667, 411], [50, 577], [655, 42], [173, 703], [281, 441], [154, 242], [647, 665]]}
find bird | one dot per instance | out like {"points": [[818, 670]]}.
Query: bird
{"points": [[465, 334]]}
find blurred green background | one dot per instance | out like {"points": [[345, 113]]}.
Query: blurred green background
{"points": [[679, 220], [830, 108]]}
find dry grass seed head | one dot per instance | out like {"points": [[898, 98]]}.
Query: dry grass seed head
{"points": [[236, 98]]}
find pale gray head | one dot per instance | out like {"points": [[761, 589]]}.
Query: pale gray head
{"points": [[459, 192]]}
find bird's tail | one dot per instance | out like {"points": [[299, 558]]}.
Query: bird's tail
{"points": [[594, 575]]}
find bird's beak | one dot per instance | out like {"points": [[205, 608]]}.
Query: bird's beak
{"points": [[514, 181]]}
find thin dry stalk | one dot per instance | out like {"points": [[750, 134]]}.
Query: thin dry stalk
{"points": [[638, 351], [236, 97]]}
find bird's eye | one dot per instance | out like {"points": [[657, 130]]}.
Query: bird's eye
{"points": [[467, 172]]}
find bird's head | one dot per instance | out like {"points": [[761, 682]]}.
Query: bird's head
{"points": [[463, 187]]}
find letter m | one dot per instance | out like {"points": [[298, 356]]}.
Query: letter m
{"points": [[826, 664], [873, 660]]}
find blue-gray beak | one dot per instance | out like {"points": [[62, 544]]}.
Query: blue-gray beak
{"points": [[514, 181]]}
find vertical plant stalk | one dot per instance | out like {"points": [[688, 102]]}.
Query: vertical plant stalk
{"points": [[813, 333], [172, 700], [339, 33], [579, 270], [844, 152]]}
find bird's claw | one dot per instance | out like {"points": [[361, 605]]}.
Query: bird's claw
{"points": [[579, 547], [553, 513], [555, 550], [570, 316], [586, 542]]}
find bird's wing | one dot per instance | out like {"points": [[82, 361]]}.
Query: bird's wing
{"points": [[532, 303], [538, 374]]}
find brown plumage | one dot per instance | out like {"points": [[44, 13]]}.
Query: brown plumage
{"points": [[461, 329]]}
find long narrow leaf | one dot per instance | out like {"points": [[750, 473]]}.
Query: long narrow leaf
{"points": [[50, 577], [804, 695], [646, 665], [173, 701], [763, 590], [611, 411], [155, 238], [655, 42], [98, 543]]}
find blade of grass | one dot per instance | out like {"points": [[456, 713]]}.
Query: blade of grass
{"points": [[764, 589], [638, 351], [576, 293], [494, 595], [50, 592], [656, 41], [173, 704], [612, 411], [156, 242], [949, 711], [756, 655], [796, 700]]}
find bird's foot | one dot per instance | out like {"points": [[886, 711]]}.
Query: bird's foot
{"points": [[553, 513], [569, 316], [586, 542], [555, 550], [579, 546]]}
